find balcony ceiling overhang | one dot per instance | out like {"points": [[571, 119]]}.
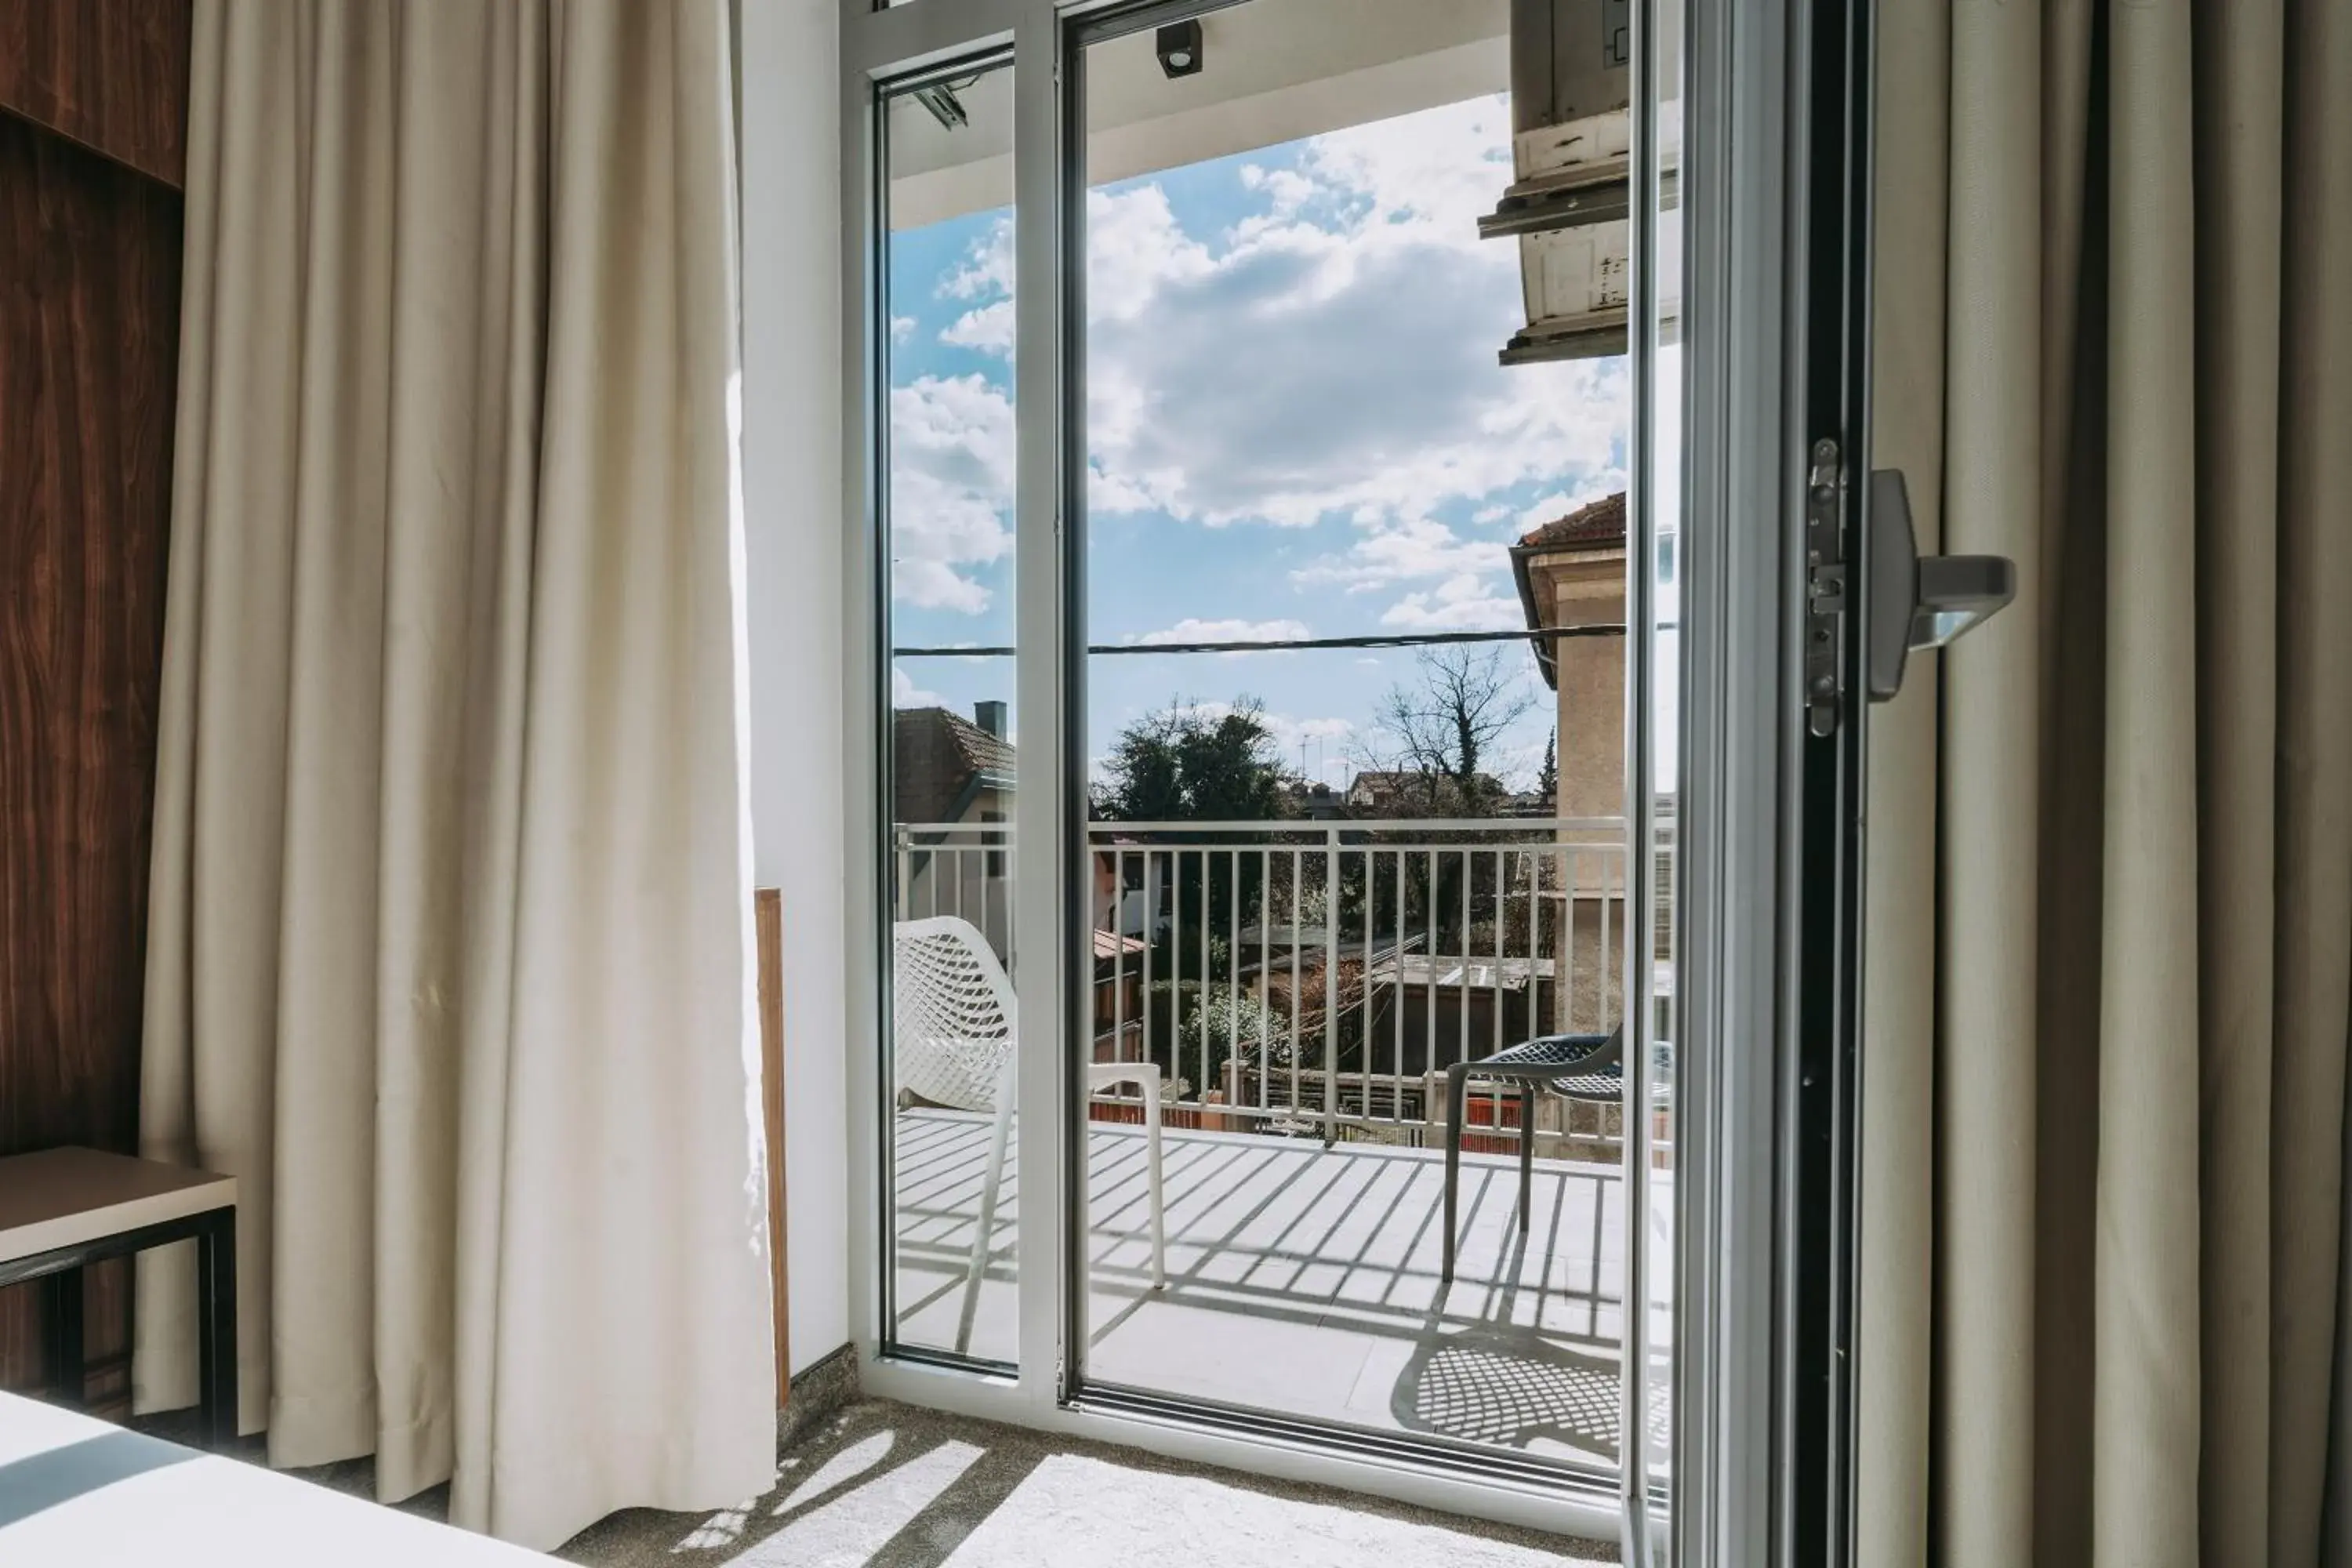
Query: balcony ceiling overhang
{"points": [[1271, 74]]}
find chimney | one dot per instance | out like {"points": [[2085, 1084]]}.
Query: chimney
{"points": [[990, 716]]}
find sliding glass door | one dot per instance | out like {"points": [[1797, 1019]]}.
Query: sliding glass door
{"points": [[1360, 819], [1327, 516]]}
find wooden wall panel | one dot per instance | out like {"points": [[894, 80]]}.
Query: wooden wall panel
{"points": [[109, 74], [90, 295], [768, 926]]}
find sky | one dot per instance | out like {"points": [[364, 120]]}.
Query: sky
{"points": [[1296, 428]]}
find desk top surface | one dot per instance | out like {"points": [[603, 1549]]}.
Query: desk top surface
{"points": [[63, 1197]]}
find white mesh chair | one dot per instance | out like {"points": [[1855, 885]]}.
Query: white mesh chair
{"points": [[952, 1044]]}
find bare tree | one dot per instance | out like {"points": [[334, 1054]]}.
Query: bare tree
{"points": [[1439, 731]]}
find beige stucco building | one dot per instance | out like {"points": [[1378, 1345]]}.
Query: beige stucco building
{"points": [[1571, 573]]}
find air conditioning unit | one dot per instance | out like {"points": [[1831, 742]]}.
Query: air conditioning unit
{"points": [[1569, 200]]}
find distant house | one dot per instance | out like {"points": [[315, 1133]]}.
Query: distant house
{"points": [[1571, 573], [1408, 792], [946, 768], [1374, 791], [1317, 801], [951, 784], [951, 778]]}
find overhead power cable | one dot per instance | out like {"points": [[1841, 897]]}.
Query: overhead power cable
{"points": [[1286, 645]]}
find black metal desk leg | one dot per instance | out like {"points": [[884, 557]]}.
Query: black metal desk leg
{"points": [[62, 1309], [217, 1328]]}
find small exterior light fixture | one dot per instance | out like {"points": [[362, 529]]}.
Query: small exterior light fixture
{"points": [[1179, 45]]}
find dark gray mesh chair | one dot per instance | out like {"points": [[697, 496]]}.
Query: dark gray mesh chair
{"points": [[1581, 1067]]}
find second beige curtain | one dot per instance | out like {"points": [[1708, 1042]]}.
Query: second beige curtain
{"points": [[2110, 912]]}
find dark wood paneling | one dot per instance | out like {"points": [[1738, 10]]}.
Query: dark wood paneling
{"points": [[109, 74], [90, 297]]}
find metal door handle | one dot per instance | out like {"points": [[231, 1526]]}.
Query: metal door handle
{"points": [[1920, 601]]}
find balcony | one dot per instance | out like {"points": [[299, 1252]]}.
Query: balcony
{"points": [[1305, 1280], [1303, 987]]}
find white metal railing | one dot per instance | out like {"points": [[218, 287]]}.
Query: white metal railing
{"points": [[959, 868], [1321, 977]]}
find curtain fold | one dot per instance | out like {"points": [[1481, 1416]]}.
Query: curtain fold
{"points": [[2103, 1315], [449, 949]]}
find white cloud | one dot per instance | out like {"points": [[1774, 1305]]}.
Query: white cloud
{"points": [[1332, 353], [1324, 743], [905, 693], [989, 329], [1414, 550], [1191, 628], [986, 268], [1464, 604], [1335, 352], [951, 453], [986, 274]]}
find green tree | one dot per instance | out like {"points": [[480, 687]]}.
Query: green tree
{"points": [[1193, 764]]}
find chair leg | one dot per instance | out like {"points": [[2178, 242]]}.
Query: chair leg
{"points": [[1158, 1188], [1456, 1079], [1526, 1151], [989, 1185]]}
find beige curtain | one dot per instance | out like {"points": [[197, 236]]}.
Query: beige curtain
{"points": [[448, 959], [2110, 910]]}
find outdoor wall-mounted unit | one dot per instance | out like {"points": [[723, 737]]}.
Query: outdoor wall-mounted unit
{"points": [[1571, 86]]}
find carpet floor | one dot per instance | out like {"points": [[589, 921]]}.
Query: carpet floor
{"points": [[876, 1485], [887, 1486]]}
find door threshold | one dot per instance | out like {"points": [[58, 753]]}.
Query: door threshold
{"points": [[1587, 1482]]}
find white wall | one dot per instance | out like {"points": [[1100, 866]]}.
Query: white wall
{"points": [[792, 477]]}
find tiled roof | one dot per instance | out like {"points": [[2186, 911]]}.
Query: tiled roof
{"points": [[1109, 944], [935, 759], [1596, 526]]}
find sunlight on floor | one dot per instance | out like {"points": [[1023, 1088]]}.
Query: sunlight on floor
{"points": [[889, 1488]]}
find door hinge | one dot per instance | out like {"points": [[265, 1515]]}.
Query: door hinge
{"points": [[1825, 588]]}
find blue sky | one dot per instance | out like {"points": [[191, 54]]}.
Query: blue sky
{"points": [[1296, 428]]}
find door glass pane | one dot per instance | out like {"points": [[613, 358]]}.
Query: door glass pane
{"points": [[1355, 585], [949, 775]]}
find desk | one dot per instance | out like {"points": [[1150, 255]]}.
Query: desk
{"points": [[61, 1209]]}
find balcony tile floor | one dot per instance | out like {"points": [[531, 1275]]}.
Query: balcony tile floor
{"points": [[1305, 1280]]}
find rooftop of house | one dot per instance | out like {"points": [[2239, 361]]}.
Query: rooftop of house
{"points": [[1598, 526], [1374, 784], [1372, 779], [940, 764]]}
